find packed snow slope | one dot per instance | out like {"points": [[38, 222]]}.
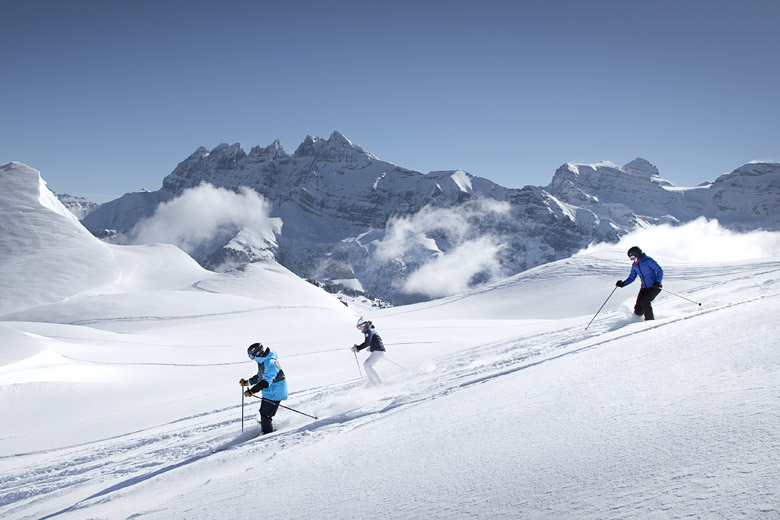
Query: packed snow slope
{"points": [[120, 399]]}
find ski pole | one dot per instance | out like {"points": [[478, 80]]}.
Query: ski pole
{"points": [[291, 409], [242, 408], [298, 411], [358, 364], [602, 306], [683, 297], [393, 362]]}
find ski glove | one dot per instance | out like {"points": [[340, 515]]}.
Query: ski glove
{"points": [[248, 393], [354, 348], [243, 382], [657, 284], [619, 283]]}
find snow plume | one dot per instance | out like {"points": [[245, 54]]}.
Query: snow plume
{"points": [[448, 244], [702, 240], [473, 261], [205, 215]]}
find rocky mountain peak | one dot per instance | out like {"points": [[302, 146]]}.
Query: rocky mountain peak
{"points": [[641, 167], [308, 147], [753, 169], [335, 148], [273, 151]]}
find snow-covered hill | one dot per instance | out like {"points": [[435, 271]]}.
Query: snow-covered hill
{"points": [[496, 403], [348, 217], [39, 234]]}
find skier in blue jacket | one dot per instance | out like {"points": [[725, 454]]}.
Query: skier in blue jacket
{"points": [[269, 380], [651, 275]]}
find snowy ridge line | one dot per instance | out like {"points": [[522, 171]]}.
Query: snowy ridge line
{"points": [[136, 342], [315, 352], [137, 319], [226, 363], [134, 319], [139, 363]]}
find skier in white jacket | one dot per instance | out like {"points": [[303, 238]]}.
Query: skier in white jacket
{"points": [[374, 344]]}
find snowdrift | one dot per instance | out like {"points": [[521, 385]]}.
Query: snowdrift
{"points": [[47, 256]]}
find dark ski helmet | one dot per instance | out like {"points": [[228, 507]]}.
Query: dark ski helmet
{"points": [[635, 252], [257, 350]]}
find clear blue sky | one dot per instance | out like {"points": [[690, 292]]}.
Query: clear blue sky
{"points": [[105, 97]]}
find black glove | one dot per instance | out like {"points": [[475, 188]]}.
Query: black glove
{"points": [[248, 393], [243, 382], [619, 283], [263, 384], [658, 285]]}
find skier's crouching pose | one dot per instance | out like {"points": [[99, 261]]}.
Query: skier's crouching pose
{"points": [[270, 380]]}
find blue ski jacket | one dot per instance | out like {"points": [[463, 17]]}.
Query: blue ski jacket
{"points": [[648, 271], [269, 369]]}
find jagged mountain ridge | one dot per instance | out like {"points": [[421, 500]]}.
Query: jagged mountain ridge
{"points": [[324, 179], [347, 215]]}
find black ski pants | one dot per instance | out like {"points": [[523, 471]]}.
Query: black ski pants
{"points": [[643, 305], [268, 409]]}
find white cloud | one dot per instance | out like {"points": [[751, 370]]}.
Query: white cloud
{"points": [[453, 272], [702, 240], [406, 233], [202, 213], [450, 244]]}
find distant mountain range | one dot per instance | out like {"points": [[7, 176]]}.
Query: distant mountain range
{"points": [[79, 206], [352, 220]]}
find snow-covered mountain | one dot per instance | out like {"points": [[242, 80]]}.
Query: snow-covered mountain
{"points": [[349, 217], [79, 206], [635, 195], [119, 370]]}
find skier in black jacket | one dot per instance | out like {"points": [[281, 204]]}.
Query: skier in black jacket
{"points": [[374, 344]]}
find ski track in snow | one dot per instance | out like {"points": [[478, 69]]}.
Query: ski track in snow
{"points": [[77, 476], [136, 319]]}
